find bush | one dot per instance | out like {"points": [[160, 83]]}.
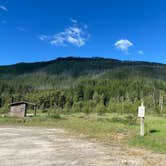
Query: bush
{"points": [[131, 108], [67, 108], [89, 107], [92, 105], [131, 119], [44, 110], [86, 109], [55, 113], [77, 107], [4, 110], [114, 107], [101, 109]]}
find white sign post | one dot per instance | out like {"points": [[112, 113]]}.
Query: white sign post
{"points": [[141, 115]]}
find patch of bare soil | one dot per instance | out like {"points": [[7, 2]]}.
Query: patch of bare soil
{"points": [[21, 146]]}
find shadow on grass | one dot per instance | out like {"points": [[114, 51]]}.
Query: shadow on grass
{"points": [[154, 131]]}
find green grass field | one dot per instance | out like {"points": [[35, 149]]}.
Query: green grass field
{"points": [[109, 127]]}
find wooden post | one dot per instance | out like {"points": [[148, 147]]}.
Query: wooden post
{"points": [[161, 102], [141, 126], [141, 115], [35, 110]]}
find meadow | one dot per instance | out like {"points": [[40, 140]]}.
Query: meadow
{"points": [[122, 129]]}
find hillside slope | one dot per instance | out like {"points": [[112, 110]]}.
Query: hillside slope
{"points": [[76, 67]]}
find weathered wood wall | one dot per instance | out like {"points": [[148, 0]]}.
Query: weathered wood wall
{"points": [[18, 110]]}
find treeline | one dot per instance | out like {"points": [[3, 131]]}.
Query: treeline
{"points": [[88, 94]]}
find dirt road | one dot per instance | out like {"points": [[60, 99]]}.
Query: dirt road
{"points": [[21, 146]]}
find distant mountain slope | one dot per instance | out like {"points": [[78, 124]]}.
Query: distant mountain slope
{"points": [[76, 67], [22, 68]]}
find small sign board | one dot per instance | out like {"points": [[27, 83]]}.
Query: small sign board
{"points": [[141, 111]]}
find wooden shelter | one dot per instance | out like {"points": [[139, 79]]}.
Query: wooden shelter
{"points": [[19, 109]]}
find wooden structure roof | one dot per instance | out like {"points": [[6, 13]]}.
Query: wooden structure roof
{"points": [[22, 102]]}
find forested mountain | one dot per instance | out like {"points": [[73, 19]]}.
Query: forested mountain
{"points": [[82, 84], [80, 66]]}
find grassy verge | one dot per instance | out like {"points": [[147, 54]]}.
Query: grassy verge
{"points": [[155, 137], [108, 127]]}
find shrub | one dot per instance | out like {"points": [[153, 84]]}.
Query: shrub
{"points": [[4, 110], [77, 107], [131, 119], [67, 108], [86, 109], [44, 110], [114, 107], [55, 113], [101, 109]]}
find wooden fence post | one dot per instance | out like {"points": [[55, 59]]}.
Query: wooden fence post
{"points": [[141, 115], [141, 126]]}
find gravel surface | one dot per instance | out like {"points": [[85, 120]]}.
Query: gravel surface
{"points": [[24, 146]]}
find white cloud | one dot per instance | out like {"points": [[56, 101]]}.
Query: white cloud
{"points": [[78, 42], [140, 52], [72, 35], [73, 20], [75, 35], [123, 45], [43, 37], [4, 8], [58, 39]]}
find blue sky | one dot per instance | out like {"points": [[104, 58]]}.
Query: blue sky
{"points": [[40, 30]]}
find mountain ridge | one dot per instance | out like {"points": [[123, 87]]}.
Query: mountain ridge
{"points": [[76, 66], [82, 58]]}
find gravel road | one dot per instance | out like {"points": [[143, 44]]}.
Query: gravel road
{"points": [[24, 146]]}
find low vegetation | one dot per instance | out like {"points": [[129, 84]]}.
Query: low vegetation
{"points": [[108, 127]]}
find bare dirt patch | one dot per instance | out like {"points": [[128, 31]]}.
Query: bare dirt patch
{"points": [[55, 147]]}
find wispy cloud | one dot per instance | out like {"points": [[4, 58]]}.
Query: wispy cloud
{"points": [[43, 37], [140, 52], [4, 8], [74, 35], [123, 45], [73, 20]]}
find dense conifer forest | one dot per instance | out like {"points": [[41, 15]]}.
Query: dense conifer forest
{"points": [[85, 85]]}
